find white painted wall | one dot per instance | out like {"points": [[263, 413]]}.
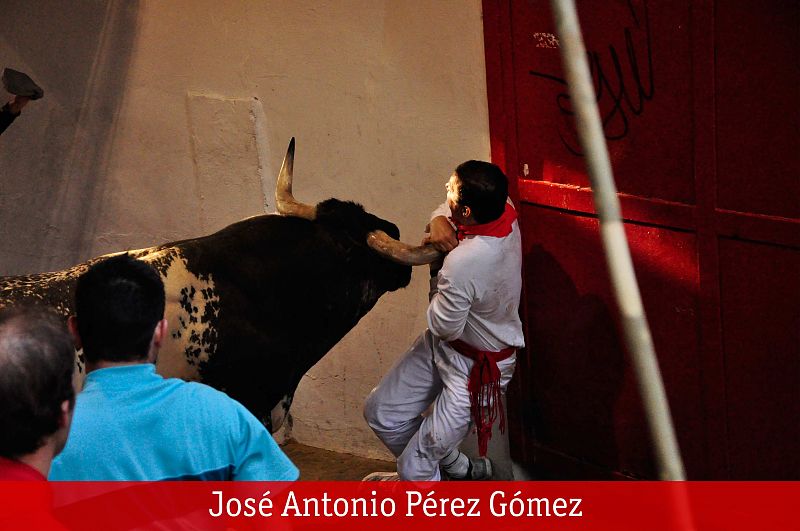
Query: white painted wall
{"points": [[147, 133]]}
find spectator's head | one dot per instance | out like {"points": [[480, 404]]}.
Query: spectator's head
{"points": [[477, 192], [119, 306], [37, 361]]}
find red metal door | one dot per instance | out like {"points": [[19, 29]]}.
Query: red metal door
{"points": [[700, 109]]}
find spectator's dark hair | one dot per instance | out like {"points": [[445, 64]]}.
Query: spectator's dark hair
{"points": [[484, 189], [118, 303], [37, 360]]}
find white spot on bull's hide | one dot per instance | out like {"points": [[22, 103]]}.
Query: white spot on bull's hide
{"points": [[192, 306], [33, 289], [47, 289], [79, 375]]}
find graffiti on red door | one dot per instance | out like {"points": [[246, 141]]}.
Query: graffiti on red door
{"points": [[623, 80]]}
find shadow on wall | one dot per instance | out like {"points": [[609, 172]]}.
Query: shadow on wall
{"points": [[53, 160], [575, 391]]}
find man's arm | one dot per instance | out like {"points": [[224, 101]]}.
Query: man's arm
{"points": [[7, 117], [441, 233], [449, 307]]}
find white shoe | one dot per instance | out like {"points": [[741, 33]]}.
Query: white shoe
{"points": [[480, 469]]}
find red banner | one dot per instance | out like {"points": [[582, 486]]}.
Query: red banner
{"points": [[401, 505]]}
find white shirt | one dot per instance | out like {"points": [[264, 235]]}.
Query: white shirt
{"points": [[478, 291]]}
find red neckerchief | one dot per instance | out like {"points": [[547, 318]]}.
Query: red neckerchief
{"points": [[484, 388], [499, 228], [12, 470]]}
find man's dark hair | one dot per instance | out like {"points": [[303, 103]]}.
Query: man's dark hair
{"points": [[484, 189], [118, 303], [37, 360]]}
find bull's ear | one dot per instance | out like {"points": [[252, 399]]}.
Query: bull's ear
{"points": [[72, 324]]}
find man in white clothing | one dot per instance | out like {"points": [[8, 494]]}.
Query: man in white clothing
{"points": [[466, 357]]}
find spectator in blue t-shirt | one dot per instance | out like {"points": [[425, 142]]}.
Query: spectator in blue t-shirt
{"points": [[132, 424]]}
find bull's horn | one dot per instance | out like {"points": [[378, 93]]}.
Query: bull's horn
{"points": [[284, 200], [400, 252]]}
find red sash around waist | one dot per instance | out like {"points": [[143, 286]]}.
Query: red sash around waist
{"points": [[484, 386]]}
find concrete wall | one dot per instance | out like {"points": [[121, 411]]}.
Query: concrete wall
{"points": [[160, 117]]}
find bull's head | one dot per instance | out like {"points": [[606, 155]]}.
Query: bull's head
{"points": [[383, 237]]}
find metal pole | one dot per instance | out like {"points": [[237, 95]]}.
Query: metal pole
{"points": [[634, 323]]}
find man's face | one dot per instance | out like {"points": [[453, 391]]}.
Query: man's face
{"points": [[453, 187]]}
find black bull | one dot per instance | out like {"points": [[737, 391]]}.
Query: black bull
{"points": [[253, 307]]}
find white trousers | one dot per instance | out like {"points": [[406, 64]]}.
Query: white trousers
{"points": [[430, 372]]}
